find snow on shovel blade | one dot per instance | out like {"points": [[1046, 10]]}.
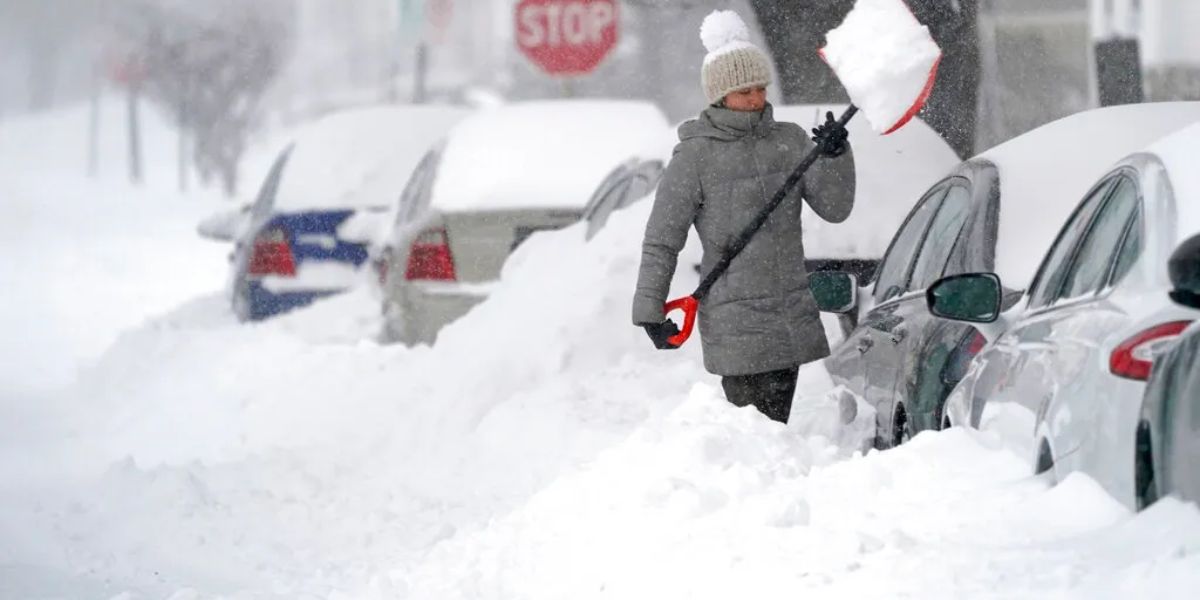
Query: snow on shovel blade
{"points": [[886, 60]]}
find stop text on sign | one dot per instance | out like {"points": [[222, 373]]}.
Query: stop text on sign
{"points": [[573, 23], [566, 37]]}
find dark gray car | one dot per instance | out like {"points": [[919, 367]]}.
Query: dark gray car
{"points": [[1168, 433]]}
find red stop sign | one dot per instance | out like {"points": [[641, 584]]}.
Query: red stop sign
{"points": [[566, 37]]}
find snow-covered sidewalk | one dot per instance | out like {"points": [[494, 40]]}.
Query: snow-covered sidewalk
{"points": [[542, 449]]}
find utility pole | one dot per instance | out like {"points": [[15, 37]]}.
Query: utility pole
{"points": [[420, 73], [182, 147], [410, 17], [133, 91], [93, 139], [1117, 52]]}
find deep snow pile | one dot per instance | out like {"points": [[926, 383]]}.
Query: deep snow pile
{"points": [[542, 449], [713, 503], [381, 450]]}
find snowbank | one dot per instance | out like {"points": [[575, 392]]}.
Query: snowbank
{"points": [[713, 503]]}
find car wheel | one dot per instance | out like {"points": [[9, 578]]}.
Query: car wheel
{"points": [[900, 429], [1145, 488]]}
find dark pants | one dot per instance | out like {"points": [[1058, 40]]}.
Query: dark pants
{"points": [[771, 392]]}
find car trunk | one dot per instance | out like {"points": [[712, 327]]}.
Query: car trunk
{"points": [[480, 242]]}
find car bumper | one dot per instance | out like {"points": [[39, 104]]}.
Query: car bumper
{"points": [[416, 313], [258, 303]]}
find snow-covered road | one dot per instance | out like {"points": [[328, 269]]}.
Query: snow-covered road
{"points": [[152, 447]]}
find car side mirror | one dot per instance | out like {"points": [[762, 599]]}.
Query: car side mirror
{"points": [[225, 225], [971, 297], [1184, 269], [834, 291]]}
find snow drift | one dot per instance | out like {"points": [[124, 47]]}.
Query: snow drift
{"points": [[542, 449]]}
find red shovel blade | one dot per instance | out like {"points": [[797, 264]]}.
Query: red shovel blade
{"points": [[689, 305]]}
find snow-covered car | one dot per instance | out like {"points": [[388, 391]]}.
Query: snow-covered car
{"points": [[500, 176], [997, 212], [325, 199], [1063, 379]]}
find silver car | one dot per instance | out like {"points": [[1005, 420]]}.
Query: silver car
{"points": [[1063, 380], [501, 176]]}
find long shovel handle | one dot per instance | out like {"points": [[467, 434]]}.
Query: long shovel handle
{"points": [[690, 306]]}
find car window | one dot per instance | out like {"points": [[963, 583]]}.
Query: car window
{"points": [[265, 200], [941, 238], [1131, 249], [893, 272], [607, 199], [613, 197], [627, 183], [639, 187], [1090, 269], [1054, 267], [645, 179], [603, 192], [416, 192]]}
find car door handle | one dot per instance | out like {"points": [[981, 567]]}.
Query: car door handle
{"points": [[864, 345], [898, 334]]}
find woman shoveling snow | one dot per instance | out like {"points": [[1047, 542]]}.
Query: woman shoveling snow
{"points": [[758, 321]]}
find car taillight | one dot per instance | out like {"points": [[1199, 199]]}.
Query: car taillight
{"points": [[960, 362], [1134, 357], [976, 343], [272, 255], [430, 258]]}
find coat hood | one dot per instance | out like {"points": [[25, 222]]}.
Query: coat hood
{"points": [[728, 125]]}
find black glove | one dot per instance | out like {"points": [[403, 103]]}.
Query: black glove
{"points": [[830, 138], [660, 332]]}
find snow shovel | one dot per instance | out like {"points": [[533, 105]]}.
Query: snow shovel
{"points": [[887, 61]]}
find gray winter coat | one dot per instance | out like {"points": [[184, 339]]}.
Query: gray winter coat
{"points": [[760, 315]]}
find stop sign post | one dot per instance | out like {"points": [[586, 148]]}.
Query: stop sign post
{"points": [[566, 37]]}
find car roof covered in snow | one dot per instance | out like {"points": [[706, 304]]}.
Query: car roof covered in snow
{"points": [[361, 157], [542, 154], [1178, 154], [1045, 173], [891, 173]]}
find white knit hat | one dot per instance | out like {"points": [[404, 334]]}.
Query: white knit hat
{"points": [[732, 63]]}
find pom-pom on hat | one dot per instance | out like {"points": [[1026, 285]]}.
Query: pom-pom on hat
{"points": [[732, 63]]}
